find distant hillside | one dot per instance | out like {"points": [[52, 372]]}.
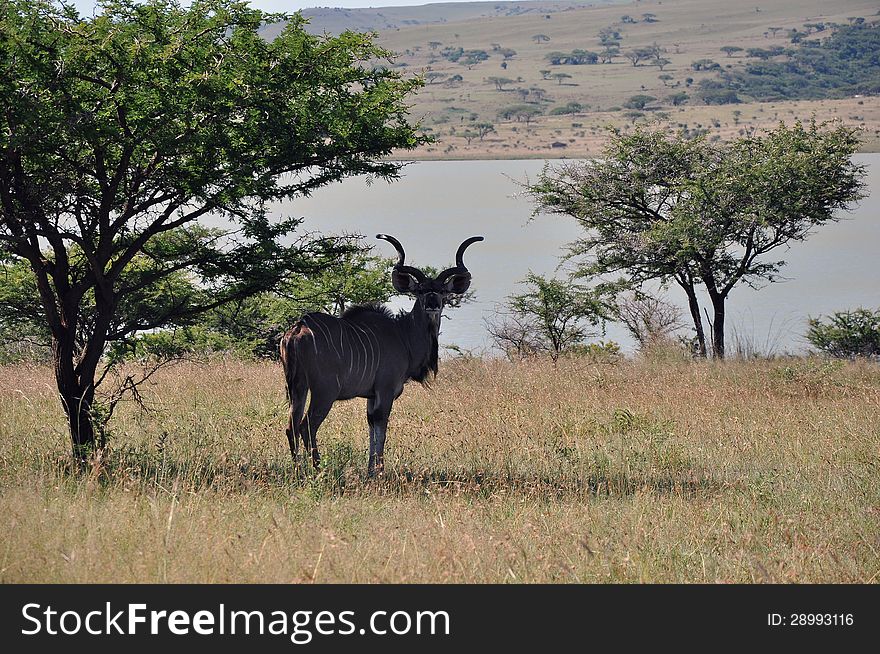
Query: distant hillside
{"points": [[335, 20], [548, 78]]}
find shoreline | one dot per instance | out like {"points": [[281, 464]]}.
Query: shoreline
{"points": [[873, 148]]}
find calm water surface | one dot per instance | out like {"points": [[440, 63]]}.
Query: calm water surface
{"points": [[436, 205]]}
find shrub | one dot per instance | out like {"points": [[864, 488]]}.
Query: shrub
{"points": [[847, 334]]}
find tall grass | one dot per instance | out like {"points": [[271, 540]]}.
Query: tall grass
{"points": [[656, 470]]}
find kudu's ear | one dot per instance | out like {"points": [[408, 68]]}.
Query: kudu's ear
{"points": [[458, 283], [403, 282]]}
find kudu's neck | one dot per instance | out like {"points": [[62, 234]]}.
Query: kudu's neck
{"points": [[421, 335]]}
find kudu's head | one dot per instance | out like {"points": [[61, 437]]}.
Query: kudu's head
{"points": [[430, 294]]}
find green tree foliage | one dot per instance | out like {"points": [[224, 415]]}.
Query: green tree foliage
{"points": [[500, 82], [702, 214], [573, 58], [560, 77], [568, 108], [847, 334], [551, 317], [251, 326], [714, 92], [639, 101], [639, 54], [120, 131], [520, 112], [843, 64], [704, 64], [471, 58]]}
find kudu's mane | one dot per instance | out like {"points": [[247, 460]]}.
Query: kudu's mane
{"points": [[359, 309], [428, 368]]}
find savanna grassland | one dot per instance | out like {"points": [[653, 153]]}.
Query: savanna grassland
{"points": [[640, 471], [459, 95]]}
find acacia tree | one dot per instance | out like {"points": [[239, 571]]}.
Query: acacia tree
{"points": [[702, 214], [119, 132]]}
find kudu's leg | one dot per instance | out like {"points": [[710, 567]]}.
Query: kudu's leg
{"points": [[378, 411], [318, 410], [295, 418]]}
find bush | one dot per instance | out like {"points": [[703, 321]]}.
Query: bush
{"points": [[570, 108], [847, 334]]}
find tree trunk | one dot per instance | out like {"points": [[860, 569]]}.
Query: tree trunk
{"points": [[718, 325], [694, 306], [77, 398], [80, 421], [75, 379]]}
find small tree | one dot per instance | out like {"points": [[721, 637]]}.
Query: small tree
{"points": [[639, 101], [847, 334], [634, 56], [607, 55], [701, 213], [729, 50], [648, 319], [483, 129], [507, 53], [550, 317], [500, 82], [559, 77]]}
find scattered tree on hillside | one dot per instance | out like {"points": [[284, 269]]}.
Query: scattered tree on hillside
{"points": [[729, 50], [704, 64], [500, 82], [638, 54], [608, 54], [609, 36], [569, 108], [639, 101]]}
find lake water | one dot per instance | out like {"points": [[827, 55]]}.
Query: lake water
{"points": [[436, 205]]}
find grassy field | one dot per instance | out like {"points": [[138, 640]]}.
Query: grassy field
{"points": [[687, 31], [643, 471]]}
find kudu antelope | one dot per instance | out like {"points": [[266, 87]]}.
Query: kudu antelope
{"points": [[367, 353]]}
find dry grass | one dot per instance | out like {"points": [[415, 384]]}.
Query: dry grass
{"points": [[650, 471]]}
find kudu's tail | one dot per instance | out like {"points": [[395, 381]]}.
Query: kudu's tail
{"points": [[297, 389]]}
